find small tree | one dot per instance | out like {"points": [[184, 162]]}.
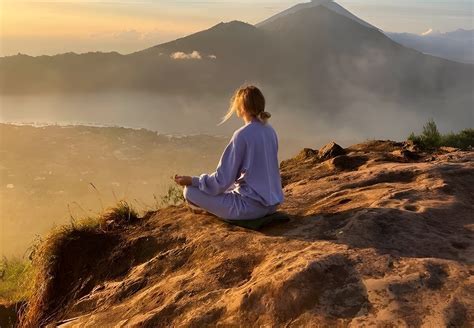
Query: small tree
{"points": [[416, 139], [431, 137]]}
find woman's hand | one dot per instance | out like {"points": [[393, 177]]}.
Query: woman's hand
{"points": [[183, 180]]}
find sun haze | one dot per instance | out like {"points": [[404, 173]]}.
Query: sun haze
{"points": [[52, 27]]}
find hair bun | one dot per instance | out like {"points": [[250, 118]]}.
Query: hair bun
{"points": [[264, 116]]}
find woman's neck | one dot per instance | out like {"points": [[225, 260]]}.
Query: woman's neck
{"points": [[248, 119]]}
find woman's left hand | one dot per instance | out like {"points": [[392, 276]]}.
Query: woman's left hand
{"points": [[183, 180]]}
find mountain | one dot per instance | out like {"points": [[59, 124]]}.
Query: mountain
{"points": [[456, 45], [375, 238], [328, 4], [460, 34], [315, 58], [224, 40]]}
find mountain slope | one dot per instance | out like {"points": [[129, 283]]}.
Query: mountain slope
{"points": [[231, 53], [223, 40], [332, 57], [376, 238]]}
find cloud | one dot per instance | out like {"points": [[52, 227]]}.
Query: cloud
{"points": [[427, 32], [212, 56], [182, 55]]}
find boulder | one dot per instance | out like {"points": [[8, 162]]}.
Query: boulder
{"points": [[331, 150]]}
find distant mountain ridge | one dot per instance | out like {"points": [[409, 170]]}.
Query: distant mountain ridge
{"points": [[315, 57], [456, 45]]}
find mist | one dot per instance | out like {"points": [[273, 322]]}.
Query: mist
{"points": [[61, 164], [365, 117]]}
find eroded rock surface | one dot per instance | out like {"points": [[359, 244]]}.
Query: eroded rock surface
{"points": [[375, 239]]}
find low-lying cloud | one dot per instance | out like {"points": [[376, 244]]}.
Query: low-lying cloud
{"points": [[179, 55], [427, 32]]}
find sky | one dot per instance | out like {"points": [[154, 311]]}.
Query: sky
{"points": [[38, 27]]}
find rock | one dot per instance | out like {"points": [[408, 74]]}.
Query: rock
{"points": [[406, 154], [448, 149], [376, 146], [305, 159], [411, 146], [347, 163], [331, 150], [410, 154], [306, 153]]}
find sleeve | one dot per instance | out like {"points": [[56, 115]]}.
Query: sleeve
{"points": [[227, 170]]}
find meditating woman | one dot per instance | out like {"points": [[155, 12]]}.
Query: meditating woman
{"points": [[247, 183]]}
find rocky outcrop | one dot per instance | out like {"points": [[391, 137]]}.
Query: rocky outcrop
{"points": [[329, 151], [375, 239]]}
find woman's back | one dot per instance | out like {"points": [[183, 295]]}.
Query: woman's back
{"points": [[246, 184], [259, 175]]}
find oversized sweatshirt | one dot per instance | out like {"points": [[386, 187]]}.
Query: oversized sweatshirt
{"points": [[249, 166]]}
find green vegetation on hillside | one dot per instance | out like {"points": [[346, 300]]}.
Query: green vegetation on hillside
{"points": [[15, 279], [431, 138]]}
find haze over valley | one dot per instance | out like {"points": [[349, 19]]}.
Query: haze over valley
{"points": [[327, 75], [52, 175]]}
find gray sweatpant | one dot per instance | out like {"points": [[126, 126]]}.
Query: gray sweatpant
{"points": [[229, 205]]}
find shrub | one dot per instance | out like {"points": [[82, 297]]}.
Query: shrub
{"points": [[461, 140], [431, 139], [431, 136]]}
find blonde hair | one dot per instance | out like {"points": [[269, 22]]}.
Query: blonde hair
{"points": [[250, 100]]}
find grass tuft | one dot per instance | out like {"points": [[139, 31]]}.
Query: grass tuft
{"points": [[46, 253], [42, 270], [121, 214]]}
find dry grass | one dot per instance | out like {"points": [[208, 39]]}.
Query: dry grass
{"points": [[46, 253], [46, 256], [121, 214]]}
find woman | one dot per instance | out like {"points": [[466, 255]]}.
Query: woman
{"points": [[247, 183]]}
